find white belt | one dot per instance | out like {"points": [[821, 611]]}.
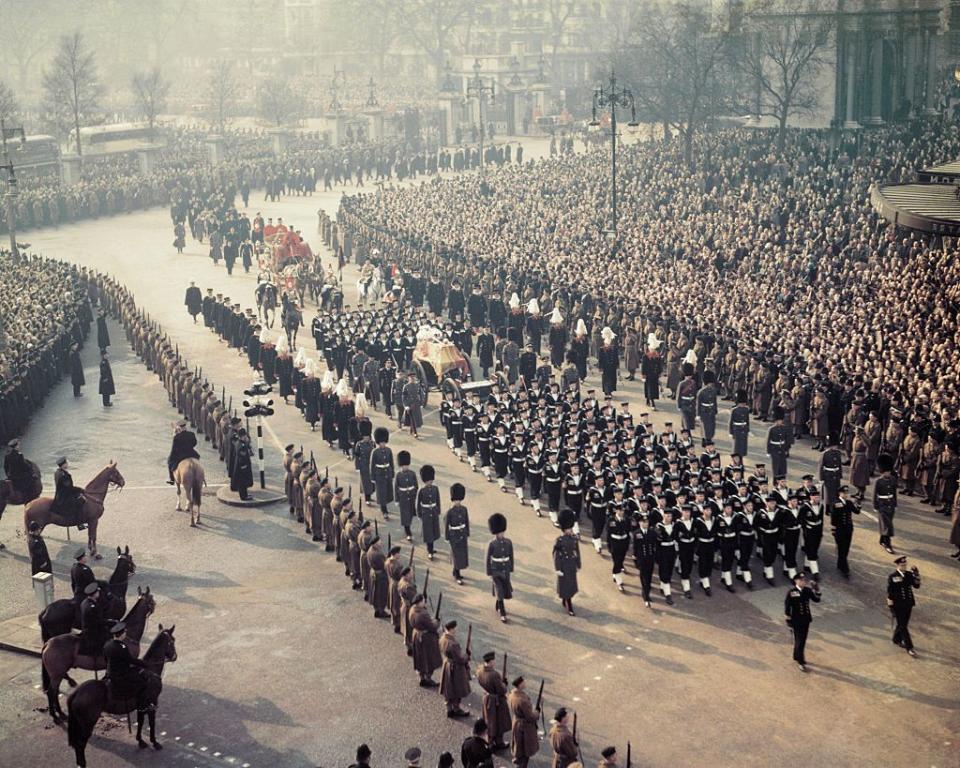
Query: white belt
{"points": [[775, 443], [423, 504], [705, 541], [831, 469], [885, 497], [500, 559], [457, 527], [618, 536], [381, 466], [739, 423]]}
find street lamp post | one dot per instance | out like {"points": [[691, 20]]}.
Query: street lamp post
{"points": [[259, 405], [11, 194], [372, 102], [612, 97], [477, 89]]}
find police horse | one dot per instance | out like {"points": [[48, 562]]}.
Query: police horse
{"points": [[60, 654], [41, 509], [11, 495], [92, 698], [190, 477]]}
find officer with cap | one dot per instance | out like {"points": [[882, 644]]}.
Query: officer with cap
{"points": [[796, 609], [524, 742], [126, 676], [900, 600], [841, 521], [477, 750], [609, 755], [68, 500], [80, 575], [93, 622], [412, 757], [496, 714], [37, 547], [184, 446], [363, 757]]}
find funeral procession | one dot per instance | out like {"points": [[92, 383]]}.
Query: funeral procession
{"points": [[480, 383]]}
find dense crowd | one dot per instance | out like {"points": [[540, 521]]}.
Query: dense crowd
{"points": [[46, 313]]}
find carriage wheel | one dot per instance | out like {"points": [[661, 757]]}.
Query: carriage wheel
{"points": [[451, 385]]}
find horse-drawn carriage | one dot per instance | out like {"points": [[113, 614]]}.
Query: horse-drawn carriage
{"points": [[285, 247], [441, 366]]}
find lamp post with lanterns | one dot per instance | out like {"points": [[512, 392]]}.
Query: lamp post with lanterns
{"points": [[481, 91], [611, 96]]}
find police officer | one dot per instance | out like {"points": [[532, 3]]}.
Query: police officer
{"points": [[126, 675], [900, 600], [500, 564], [796, 609], [184, 446], [80, 575], [39, 557], [68, 500], [93, 623]]}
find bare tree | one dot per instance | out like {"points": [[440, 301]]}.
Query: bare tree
{"points": [[431, 24], [784, 50], [558, 14], [26, 31], [150, 90], [222, 92], [277, 102], [72, 87], [674, 62], [9, 108]]}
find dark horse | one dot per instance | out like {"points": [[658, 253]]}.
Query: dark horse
{"points": [[61, 616], [9, 495], [60, 654], [90, 699]]}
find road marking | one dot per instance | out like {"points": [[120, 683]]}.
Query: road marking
{"points": [[162, 487]]}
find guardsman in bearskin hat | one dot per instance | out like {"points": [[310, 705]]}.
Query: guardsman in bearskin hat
{"points": [[500, 563]]}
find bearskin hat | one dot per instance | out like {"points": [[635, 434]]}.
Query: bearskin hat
{"points": [[457, 492], [777, 412], [403, 459], [885, 462], [427, 473], [742, 397], [566, 519], [365, 428], [381, 435], [709, 377], [497, 523]]}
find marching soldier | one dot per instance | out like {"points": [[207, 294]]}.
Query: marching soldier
{"points": [[564, 746], [885, 500], [779, 438], [768, 524], [811, 519], [405, 491], [524, 742], [500, 563], [841, 522], [740, 423], [455, 678], [707, 406], [645, 548], [457, 531], [687, 397], [666, 553], [428, 508], [496, 714], [796, 609], [619, 530], [381, 469], [900, 599], [566, 561]]}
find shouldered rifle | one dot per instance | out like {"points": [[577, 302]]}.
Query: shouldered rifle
{"points": [[376, 529], [326, 472], [389, 543], [436, 616], [629, 764], [539, 697], [412, 547], [575, 729], [426, 582], [504, 669], [469, 638]]}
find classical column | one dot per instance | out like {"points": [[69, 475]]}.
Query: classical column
{"points": [[851, 88], [910, 67], [876, 83], [930, 103]]}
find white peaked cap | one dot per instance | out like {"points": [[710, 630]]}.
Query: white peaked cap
{"points": [[514, 301], [608, 334], [301, 358], [652, 341], [533, 307], [264, 339], [282, 344], [581, 327], [361, 404], [556, 316], [327, 383], [690, 357]]}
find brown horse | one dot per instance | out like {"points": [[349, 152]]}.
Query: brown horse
{"points": [[10, 495], [189, 475], [60, 654], [90, 699], [95, 492]]}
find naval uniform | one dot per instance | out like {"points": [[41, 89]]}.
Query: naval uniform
{"points": [[796, 607], [900, 586]]}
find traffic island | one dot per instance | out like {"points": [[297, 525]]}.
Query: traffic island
{"points": [[259, 497]]}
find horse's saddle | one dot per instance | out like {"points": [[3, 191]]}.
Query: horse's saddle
{"points": [[118, 705]]}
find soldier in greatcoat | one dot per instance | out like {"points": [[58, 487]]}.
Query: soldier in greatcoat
{"points": [[394, 567], [455, 678], [425, 642], [379, 579], [496, 714], [456, 530], [524, 740]]}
